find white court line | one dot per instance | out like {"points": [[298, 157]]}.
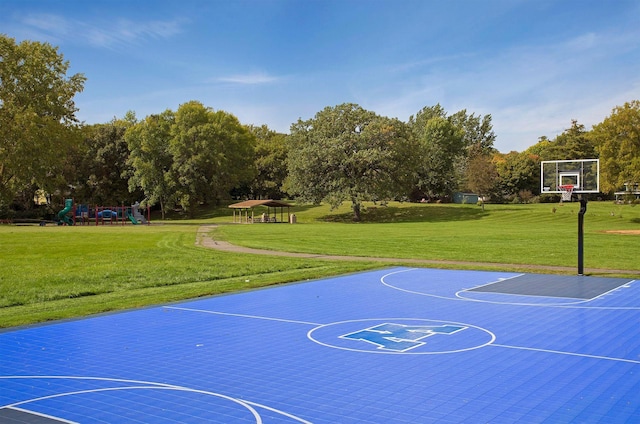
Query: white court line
{"points": [[625, 285], [141, 385], [249, 408], [293, 417], [563, 305], [498, 302], [413, 291], [559, 352], [241, 315], [499, 280], [26, 411]]}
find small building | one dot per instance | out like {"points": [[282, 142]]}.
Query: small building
{"points": [[630, 193], [465, 198], [245, 212]]}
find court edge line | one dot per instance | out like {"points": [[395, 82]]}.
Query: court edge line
{"points": [[26, 411], [241, 315], [621, 286], [583, 355]]}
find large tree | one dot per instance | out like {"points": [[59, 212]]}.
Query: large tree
{"points": [[37, 115], [212, 153], [150, 157], [478, 136], [271, 167], [347, 153], [481, 175], [103, 178], [618, 142], [573, 143], [440, 149], [518, 172]]}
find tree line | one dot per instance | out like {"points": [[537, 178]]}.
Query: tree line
{"points": [[197, 155]]}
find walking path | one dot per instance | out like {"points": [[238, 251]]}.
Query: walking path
{"points": [[204, 239]]}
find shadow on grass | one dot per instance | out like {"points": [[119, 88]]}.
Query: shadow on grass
{"points": [[206, 212], [391, 214]]}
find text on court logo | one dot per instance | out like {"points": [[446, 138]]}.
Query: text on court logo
{"points": [[399, 337]]}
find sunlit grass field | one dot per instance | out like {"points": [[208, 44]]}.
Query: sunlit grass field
{"points": [[537, 234], [60, 272]]}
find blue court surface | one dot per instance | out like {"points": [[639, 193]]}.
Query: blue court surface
{"points": [[399, 345]]}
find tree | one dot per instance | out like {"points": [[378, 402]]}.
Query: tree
{"points": [[618, 142], [104, 180], [346, 153], [482, 175], [271, 167], [518, 172], [37, 115], [150, 158], [478, 136], [573, 143], [212, 153], [439, 148]]}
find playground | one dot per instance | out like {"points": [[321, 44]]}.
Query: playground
{"points": [[82, 214]]}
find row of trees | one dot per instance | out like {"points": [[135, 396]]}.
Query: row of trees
{"points": [[197, 155]]}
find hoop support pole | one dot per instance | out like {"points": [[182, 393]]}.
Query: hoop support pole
{"points": [[583, 210]]}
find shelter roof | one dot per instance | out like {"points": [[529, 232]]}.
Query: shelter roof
{"points": [[247, 204]]}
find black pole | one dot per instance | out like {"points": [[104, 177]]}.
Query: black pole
{"points": [[583, 210]]}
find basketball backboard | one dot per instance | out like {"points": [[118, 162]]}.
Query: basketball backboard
{"points": [[582, 174]]}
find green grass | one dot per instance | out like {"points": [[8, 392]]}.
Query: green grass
{"points": [[60, 272], [49, 273], [512, 234]]}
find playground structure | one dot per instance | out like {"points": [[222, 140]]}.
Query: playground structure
{"points": [[83, 214]]}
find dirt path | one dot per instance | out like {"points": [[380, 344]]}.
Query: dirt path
{"points": [[204, 239]]}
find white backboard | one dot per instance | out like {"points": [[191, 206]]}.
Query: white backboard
{"points": [[582, 174]]}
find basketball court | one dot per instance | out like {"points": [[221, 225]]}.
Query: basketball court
{"points": [[400, 345]]}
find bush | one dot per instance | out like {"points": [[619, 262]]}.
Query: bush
{"points": [[550, 198]]}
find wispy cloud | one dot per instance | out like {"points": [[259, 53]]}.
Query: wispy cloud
{"points": [[109, 35], [125, 31], [249, 79], [530, 90]]}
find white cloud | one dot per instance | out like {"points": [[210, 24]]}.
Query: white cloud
{"points": [[45, 22], [125, 31], [530, 90], [249, 79], [106, 35]]}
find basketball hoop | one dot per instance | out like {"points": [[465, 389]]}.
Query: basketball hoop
{"points": [[567, 191]]}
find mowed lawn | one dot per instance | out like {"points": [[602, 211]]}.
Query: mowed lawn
{"points": [[536, 234], [60, 272], [56, 272]]}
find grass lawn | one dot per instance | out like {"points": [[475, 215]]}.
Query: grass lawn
{"points": [[59, 272], [537, 234]]}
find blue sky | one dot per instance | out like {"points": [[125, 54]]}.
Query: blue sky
{"points": [[534, 65]]}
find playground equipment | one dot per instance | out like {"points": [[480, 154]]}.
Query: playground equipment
{"points": [[64, 218], [86, 215], [136, 217]]}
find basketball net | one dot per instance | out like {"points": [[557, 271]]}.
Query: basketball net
{"points": [[567, 191]]}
